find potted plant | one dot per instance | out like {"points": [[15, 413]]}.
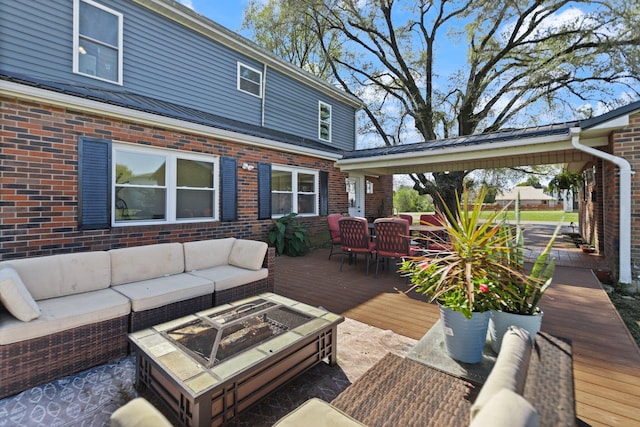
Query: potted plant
{"points": [[288, 236], [463, 280], [520, 292]]}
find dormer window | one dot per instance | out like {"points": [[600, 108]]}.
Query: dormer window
{"points": [[97, 41], [249, 80], [324, 121]]}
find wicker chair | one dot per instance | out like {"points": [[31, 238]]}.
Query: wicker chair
{"points": [[408, 217], [355, 237], [392, 240]]}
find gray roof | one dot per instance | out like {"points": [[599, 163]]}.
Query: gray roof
{"points": [[148, 104], [476, 139]]}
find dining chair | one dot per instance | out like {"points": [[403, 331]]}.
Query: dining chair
{"points": [[334, 231], [355, 237], [436, 240], [393, 240], [408, 217]]}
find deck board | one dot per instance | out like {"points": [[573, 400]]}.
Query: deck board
{"points": [[606, 359]]}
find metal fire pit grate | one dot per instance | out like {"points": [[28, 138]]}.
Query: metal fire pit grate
{"points": [[219, 336]]}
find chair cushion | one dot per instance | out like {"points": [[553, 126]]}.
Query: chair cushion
{"points": [[506, 409], [248, 254], [146, 262], [55, 276], [229, 276], [64, 313], [317, 413], [15, 297], [138, 413], [510, 369], [161, 291], [203, 254]]}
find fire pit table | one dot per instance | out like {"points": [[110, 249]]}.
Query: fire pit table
{"points": [[210, 366]]}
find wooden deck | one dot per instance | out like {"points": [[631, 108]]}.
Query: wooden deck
{"points": [[606, 359]]}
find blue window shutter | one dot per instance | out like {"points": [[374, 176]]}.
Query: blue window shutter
{"points": [[264, 190], [324, 193], [94, 183], [229, 189]]}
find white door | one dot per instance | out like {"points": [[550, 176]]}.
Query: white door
{"points": [[355, 191]]}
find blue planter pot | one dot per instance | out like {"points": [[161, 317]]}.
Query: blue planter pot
{"points": [[464, 338]]}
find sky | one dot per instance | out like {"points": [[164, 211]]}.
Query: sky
{"points": [[224, 12]]}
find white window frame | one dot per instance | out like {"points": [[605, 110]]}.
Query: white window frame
{"points": [[76, 40], [171, 186], [240, 66], [321, 122], [294, 189]]}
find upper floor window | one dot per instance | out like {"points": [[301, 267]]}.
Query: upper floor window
{"points": [[324, 121], [151, 185], [249, 80], [97, 41], [293, 190]]}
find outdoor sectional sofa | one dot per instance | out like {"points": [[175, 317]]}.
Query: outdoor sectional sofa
{"points": [[68, 312]]}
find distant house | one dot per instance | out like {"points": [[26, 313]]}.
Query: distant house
{"points": [[133, 122], [530, 197]]}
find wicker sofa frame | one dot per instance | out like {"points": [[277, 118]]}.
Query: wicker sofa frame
{"points": [[28, 363], [399, 391]]}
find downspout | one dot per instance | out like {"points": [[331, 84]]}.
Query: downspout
{"points": [[625, 202]]}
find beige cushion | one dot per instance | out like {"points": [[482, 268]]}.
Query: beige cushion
{"points": [[510, 369], [153, 293], [15, 297], [138, 413], [317, 413], [248, 254], [207, 253], [507, 409], [228, 276], [64, 313], [64, 274], [146, 262]]}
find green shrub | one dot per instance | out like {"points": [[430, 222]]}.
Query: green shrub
{"points": [[289, 237]]}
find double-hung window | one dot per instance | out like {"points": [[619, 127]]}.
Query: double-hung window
{"points": [[324, 121], [293, 190], [152, 185], [97, 41], [249, 80]]}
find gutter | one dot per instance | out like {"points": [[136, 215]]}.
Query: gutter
{"points": [[625, 203]]}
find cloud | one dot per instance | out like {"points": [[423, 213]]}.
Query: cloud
{"points": [[188, 3]]}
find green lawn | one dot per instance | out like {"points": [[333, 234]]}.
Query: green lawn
{"points": [[545, 216]]}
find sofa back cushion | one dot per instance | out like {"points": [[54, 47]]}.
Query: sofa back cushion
{"points": [[65, 274], [146, 262], [248, 254], [205, 254]]}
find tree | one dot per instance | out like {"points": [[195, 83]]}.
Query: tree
{"points": [[523, 58], [408, 200]]}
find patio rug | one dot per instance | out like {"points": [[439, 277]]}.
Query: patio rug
{"points": [[89, 398]]}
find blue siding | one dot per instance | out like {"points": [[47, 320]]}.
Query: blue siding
{"points": [[165, 60], [292, 106]]}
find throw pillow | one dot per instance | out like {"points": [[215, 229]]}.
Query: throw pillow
{"points": [[16, 297]]}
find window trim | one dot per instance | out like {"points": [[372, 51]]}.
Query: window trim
{"points": [[295, 192], [239, 78], [171, 186], [320, 121], [76, 40]]}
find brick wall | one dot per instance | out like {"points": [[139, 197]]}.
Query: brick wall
{"points": [[39, 187], [624, 143]]}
